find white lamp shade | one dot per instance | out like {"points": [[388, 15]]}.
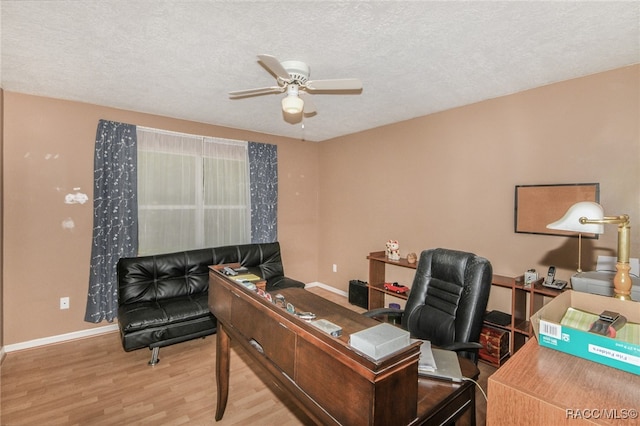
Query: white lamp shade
{"points": [[571, 219], [292, 104]]}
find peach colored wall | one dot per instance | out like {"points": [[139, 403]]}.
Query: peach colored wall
{"points": [[1, 229], [48, 153], [448, 179], [442, 180]]}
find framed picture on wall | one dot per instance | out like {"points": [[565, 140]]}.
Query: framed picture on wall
{"points": [[536, 206]]}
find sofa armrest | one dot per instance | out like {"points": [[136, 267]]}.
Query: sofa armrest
{"points": [[276, 283]]}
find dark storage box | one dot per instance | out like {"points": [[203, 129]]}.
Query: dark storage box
{"points": [[359, 293], [495, 344]]}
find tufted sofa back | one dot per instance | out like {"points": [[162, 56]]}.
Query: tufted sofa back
{"points": [[164, 276]]}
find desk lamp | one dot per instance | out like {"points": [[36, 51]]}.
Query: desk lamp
{"points": [[588, 217]]}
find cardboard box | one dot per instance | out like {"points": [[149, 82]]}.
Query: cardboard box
{"points": [[604, 350]]}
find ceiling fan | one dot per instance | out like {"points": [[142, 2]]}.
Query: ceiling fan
{"points": [[293, 77]]}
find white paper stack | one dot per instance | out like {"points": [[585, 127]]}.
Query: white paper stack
{"points": [[608, 263], [380, 340], [426, 363]]}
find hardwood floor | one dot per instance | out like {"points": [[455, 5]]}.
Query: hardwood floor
{"points": [[94, 382]]}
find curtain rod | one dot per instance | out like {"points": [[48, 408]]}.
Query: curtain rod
{"points": [[191, 135]]}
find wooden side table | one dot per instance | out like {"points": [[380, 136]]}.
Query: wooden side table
{"points": [[541, 386]]}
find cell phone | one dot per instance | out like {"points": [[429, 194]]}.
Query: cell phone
{"points": [[229, 271], [551, 275]]}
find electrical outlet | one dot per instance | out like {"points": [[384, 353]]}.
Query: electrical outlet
{"points": [[335, 268], [64, 303]]}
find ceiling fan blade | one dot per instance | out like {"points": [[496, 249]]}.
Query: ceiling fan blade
{"points": [[274, 65], [258, 91], [336, 84], [309, 107]]}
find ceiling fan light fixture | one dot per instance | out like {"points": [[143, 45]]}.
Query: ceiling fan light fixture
{"points": [[293, 76], [292, 104]]}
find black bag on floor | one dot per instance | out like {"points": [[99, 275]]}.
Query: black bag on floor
{"points": [[359, 293]]}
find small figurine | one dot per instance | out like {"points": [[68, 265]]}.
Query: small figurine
{"points": [[411, 258], [393, 250]]}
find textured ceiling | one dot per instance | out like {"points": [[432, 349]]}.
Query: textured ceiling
{"points": [[180, 58]]}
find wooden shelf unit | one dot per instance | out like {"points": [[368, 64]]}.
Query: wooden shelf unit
{"points": [[377, 271], [521, 297], [533, 296]]}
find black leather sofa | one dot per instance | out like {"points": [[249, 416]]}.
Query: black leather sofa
{"points": [[162, 299]]}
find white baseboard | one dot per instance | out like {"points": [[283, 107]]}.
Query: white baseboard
{"points": [[60, 338], [327, 287], [2, 354]]}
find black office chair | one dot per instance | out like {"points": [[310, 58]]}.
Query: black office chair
{"points": [[447, 301]]}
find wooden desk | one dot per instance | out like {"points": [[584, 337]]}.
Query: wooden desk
{"points": [[327, 379], [542, 386]]}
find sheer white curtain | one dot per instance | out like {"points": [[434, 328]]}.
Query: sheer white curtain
{"points": [[227, 201], [193, 192]]}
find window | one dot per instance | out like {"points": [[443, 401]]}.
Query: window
{"points": [[193, 192]]}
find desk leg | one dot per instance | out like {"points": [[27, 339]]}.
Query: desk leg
{"points": [[473, 405], [470, 412], [222, 369]]}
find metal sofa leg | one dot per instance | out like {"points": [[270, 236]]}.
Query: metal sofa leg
{"points": [[154, 356]]}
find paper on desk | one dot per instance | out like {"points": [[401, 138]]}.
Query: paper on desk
{"points": [[608, 264], [426, 363], [247, 277]]}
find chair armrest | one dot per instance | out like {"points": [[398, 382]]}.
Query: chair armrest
{"points": [[462, 346], [383, 311]]}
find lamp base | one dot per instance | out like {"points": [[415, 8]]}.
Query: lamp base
{"points": [[622, 282]]}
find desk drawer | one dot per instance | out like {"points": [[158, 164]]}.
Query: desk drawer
{"points": [[269, 333]]}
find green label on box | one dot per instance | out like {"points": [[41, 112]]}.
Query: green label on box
{"points": [[621, 355]]}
